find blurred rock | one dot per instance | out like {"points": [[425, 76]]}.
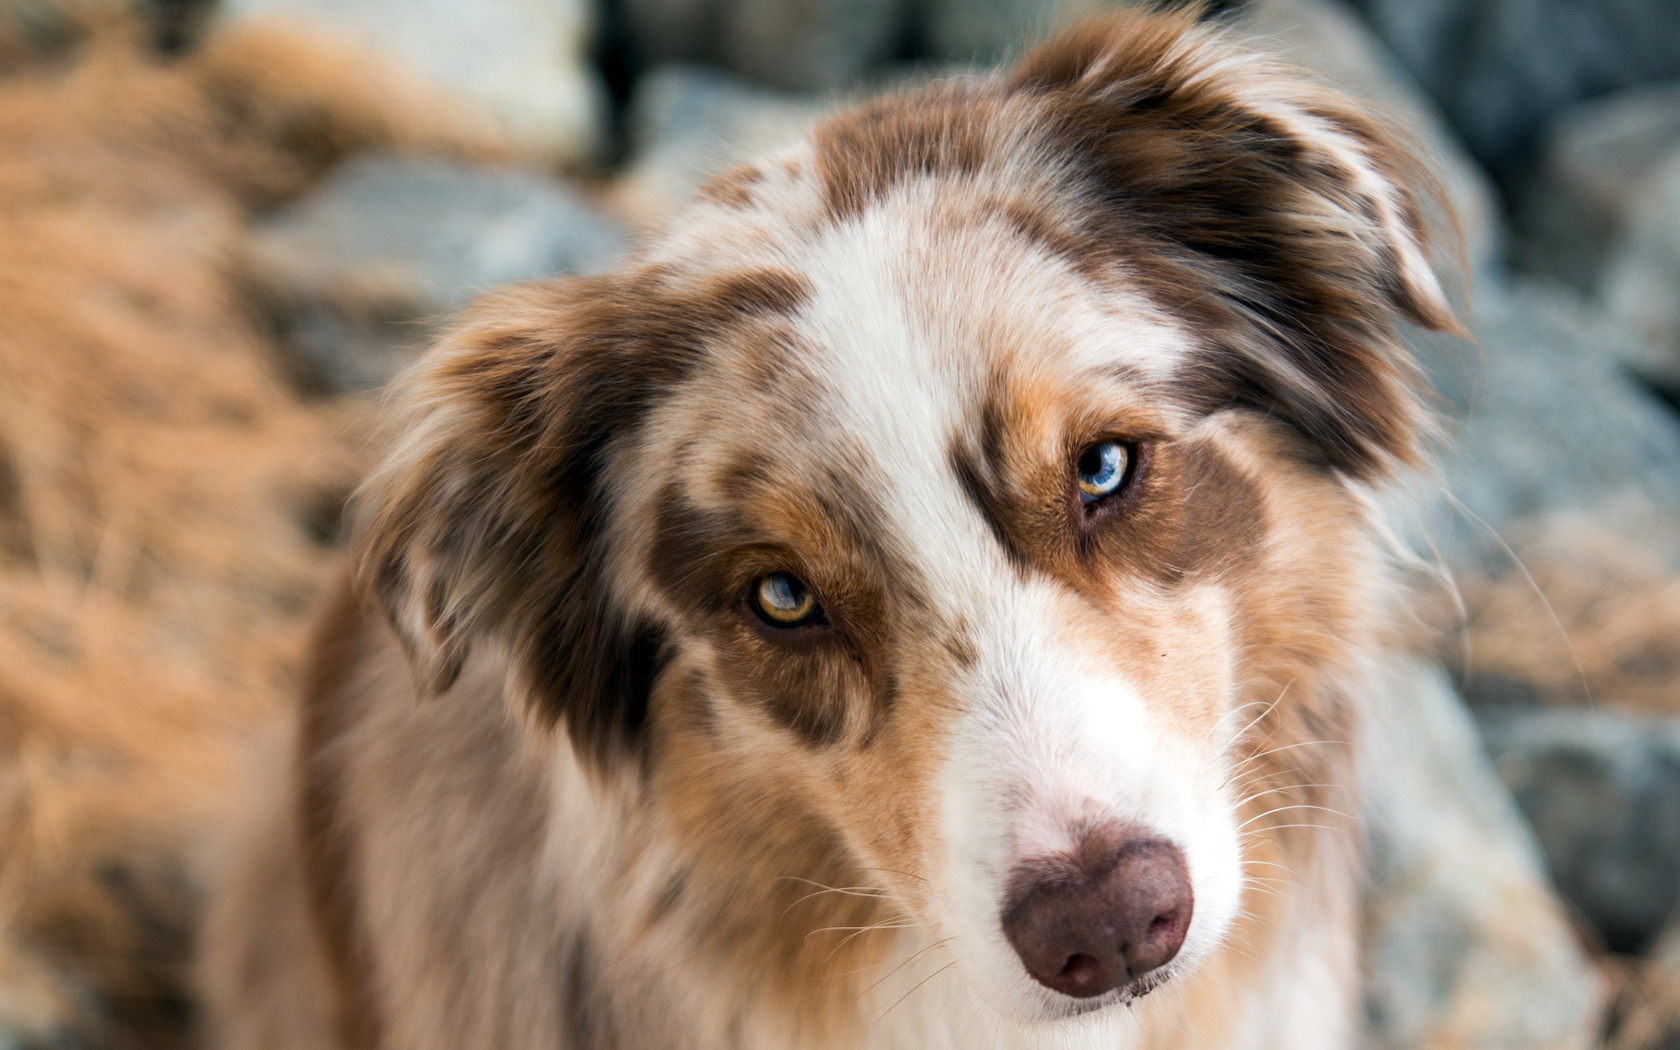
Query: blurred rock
{"points": [[1325, 37], [1641, 283], [41, 1007], [1501, 68], [1596, 160], [520, 64], [1602, 791], [361, 266], [985, 31], [1545, 420], [31, 28], [1466, 946], [688, 123], [802, 45]]}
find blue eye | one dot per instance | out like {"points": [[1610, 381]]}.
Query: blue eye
{"points": [[1102, 470], [781, 600]]}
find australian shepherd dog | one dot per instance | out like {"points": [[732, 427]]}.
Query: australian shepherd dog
{"points": [[922, 600]]}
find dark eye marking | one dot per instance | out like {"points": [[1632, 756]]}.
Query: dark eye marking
{"points": [[782, 600]]}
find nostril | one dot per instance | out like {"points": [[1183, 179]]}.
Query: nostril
{"points": [[1079, 966], [1082, 976]]}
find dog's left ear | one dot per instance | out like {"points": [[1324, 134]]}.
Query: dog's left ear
{"points": [[1270, 211], [485, 524]]}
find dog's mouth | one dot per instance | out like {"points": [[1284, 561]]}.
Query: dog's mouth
{"points": [[1066, 1008]]}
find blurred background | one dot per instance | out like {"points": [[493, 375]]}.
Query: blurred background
{"points": [[224, 224]]}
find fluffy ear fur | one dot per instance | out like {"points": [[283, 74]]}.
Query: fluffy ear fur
{"points": [[1271, 212], [482, 525]]}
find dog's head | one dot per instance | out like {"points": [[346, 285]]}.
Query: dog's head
{"points": [[945, 499]]}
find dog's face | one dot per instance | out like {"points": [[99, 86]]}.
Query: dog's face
{"points": [[945, 501]]}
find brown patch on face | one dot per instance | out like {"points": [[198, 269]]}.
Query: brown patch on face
{"points": [[1052, 231], [1196, 517], [820, 682], [757, 294], [1186, 512], [992, 505], [734, 189], [490, 525], [941, 130], [959, 646]]}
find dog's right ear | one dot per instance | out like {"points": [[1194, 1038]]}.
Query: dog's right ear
{"points": [[482, 526]]}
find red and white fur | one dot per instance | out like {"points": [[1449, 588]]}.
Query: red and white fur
{"points": [[563, 778]]}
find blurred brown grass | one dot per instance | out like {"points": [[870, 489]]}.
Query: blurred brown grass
{"points": [[167, 500], [1581, 615]]}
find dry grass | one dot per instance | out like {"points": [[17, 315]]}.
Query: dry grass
{"points": [[166, 499], [1588, 616]]}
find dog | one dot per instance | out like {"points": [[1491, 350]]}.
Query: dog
{"points": [[922, 600]]}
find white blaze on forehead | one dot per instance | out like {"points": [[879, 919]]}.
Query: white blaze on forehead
{"points": [[915, 305]]}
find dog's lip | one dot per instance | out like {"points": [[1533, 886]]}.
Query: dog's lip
{"points": [[1125, 995]]}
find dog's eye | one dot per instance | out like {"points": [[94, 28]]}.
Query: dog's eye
{"points": [[781, 600], [1102, 469]]}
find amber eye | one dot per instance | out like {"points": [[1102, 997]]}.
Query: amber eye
{"points": [[781, 600], [1102, 469]]}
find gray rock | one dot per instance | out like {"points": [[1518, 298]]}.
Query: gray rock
{"points": [[1501, 68], [1466, 945], [985, 31], [688, 123], [522, 65], [361, 265], [43, 27], [40, 1005], [1641, 282], [1547, 421], [1602, 791], [1596, 160], [805, 45]]}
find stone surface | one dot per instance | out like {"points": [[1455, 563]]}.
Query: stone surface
{"points": [[1466, 945], [1596, 160], [791, 44], [39, 1005], [1641, 281], [364, 263], [38, 27], [520, 64], [1602, 791], [689, 122], [1501, 68], [1542, 418], [985, 31]]}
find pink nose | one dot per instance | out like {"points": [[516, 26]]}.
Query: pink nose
{"points": [[1107, 913]]}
